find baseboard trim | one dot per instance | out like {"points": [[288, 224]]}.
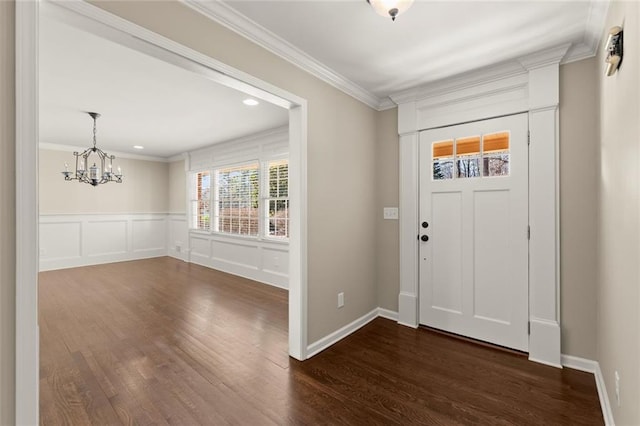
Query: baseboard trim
{"points": [[590, 366], [388, 314], [333, 338]]}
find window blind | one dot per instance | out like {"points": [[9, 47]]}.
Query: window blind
{"points": [[237, 199]]}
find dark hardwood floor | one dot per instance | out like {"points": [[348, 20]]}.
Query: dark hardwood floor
{"points": [[160, 341]]}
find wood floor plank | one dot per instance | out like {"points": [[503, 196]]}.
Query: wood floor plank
{"points": [[160, 341]]}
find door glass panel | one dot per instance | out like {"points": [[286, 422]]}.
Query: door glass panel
{"points": [[468, 157], [495, 154], [442, 160]]}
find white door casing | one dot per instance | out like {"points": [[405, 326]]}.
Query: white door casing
{"points": [[474, 265], [529, 84]]}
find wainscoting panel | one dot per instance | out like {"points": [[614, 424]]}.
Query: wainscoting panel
{"points": [[149, 234], [275, 260], [235, 253], [178, 237], [260, 260], [68, 241], [105, 237], [60, 241]]}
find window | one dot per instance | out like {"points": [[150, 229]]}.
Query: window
{"points": [[496, 154], [277, 201], [475, 156], [251, 200], [236, 200], [201, 201], [443, 160]]}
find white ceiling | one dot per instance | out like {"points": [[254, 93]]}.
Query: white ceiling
{"points": [[433, 40], [143, 101]]}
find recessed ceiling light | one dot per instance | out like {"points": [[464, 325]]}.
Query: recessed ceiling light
{"points": [[250, 102], [138, 147]]}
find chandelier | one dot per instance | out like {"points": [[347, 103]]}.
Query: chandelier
{"points": [[390, 8], [96, 174]]}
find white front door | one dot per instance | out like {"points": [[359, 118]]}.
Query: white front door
{"points": [[474, 230]]}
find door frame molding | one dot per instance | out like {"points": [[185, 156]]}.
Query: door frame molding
{"points": [[529, 84], [79, 12]]}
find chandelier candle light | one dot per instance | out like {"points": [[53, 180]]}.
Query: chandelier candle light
{"points": [[94, 176]]}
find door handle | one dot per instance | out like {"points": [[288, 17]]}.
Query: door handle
{"points": [[425, 238]]}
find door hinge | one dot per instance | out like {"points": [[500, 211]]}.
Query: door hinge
{"points": [[528, 137], [528, 232], [529, 328]]}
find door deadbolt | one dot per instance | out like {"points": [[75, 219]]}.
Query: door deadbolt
{"points": [[425, 224]]}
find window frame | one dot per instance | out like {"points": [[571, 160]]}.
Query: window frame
{"points": [[194, 200], [266, 198], [263, 167]]}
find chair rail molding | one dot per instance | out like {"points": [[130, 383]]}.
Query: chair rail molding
{"points": [[529, 84]]}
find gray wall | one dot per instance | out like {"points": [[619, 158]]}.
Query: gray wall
{"points": [[618, 295], [387, 231], [177, 187], [578, 206], [145, 188], [7, 214]]}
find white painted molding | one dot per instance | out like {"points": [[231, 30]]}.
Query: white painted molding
{"points": [[408, 296], [71, 148], [260, 260], [580, 364], [607, 413], [530, 85], [593, 367], [333, 338], [593, 30], [230, 18], [388, 314], [75, 240]]}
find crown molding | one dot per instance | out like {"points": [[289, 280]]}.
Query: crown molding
{"points": [[542, 58], [230, 18], [459, 82], [483, 75]]}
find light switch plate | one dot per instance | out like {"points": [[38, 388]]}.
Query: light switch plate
{"points": [[390, 213]]}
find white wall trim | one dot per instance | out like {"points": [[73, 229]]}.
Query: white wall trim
{"points": [[333, 338], [593, 367], [66, 239], [230, 18], [388, 314]]}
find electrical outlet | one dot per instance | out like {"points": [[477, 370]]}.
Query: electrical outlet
{"points": [[390, 213], [340, 300], [617, 387]]}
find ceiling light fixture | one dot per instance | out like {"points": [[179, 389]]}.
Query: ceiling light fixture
{"points": [[93, 176], [250, 102], [390, 8], [138, 147]]}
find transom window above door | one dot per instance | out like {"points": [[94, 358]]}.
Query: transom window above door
{"points": [[471, 156]]}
